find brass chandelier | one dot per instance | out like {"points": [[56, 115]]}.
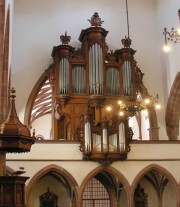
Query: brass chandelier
{"points": [[173, 36], [129, 106]]}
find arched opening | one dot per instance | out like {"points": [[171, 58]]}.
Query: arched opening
{"points": [[4, 65], [173, 110], [39, 107], [105, 187], [58, 181], [153, 186]]}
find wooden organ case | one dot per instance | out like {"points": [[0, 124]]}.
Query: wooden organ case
{"points": [[84, 81]]}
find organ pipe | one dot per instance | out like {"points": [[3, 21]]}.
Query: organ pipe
{"points": [[127, 78], [87, 136], [95, 70], [112, 81], [64, 76], [79, 79], [122, 138], [96, 142], [113, 142], [105, 136]]}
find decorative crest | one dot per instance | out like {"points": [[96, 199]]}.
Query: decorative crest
{"points": [[65, 39], [126, 42], [95, 20]]}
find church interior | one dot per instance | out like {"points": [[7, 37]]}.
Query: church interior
{"points": [[90, 103]]}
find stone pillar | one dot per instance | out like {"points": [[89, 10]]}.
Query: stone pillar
{"points": [[154, 133], [153, 129], [2, 30]]}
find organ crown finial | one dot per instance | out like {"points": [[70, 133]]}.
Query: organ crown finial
{"points": [[95, 20], [65, 39]]}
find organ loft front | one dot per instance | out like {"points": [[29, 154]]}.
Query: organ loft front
{"points": [[85, 81]]}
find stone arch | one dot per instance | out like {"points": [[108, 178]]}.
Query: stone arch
{"points": [[162, 170], [173, 110], [4, 62], [32, 97], [43, 172], [111, 171]]}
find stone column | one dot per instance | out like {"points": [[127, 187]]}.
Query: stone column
{"points": [[2, 23]]}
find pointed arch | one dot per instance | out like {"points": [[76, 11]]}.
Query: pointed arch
{"points": [[161, 170], [39, 102], [111, 171], [4, 59], [46, 170], [2, 31], [173, 110]]}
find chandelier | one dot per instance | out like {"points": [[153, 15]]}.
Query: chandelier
{"points": [[173, 36], [129, 106]]}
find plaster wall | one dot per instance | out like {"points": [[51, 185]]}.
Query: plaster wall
{"points": [[140, 156], [170, 64]]}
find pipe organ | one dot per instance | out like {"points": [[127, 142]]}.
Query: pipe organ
{"points": [[84, 80]]}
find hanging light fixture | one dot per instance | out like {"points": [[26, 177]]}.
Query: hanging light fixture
{"points": [[173, 36], [130, 106], [132, 102]]}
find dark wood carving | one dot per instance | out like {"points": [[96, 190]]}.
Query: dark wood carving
{"points": [[14, 136], [95, 20], [12, 192], [81, 78], [140, 197], [106, 152], [48, 199]]}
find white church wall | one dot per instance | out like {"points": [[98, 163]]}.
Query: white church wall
{"points": [[58, 150], [170, 64], [140, 156], [42, 126], [38, 24], [168, 18]]}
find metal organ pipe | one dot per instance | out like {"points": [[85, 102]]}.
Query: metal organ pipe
{"points": [[127, 78], [96, 70], [87, 136], [112, 81], [96, 142], [105, 136], [79, 79], [122, 137], [64, 76], [101, 70], [113, 142]]}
